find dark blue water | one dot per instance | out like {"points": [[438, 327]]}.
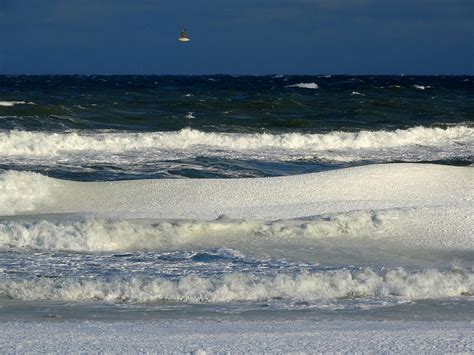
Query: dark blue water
{"points": [[235, 104], [314, 123]]}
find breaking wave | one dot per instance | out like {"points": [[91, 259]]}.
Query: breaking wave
{"points": [[248, 287], [304, 86], [14, 103], [98, 235], [23, 191], [421, 87], [436, 142]]}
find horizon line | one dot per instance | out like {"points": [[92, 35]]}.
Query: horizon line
{"points": [[322, 75]]}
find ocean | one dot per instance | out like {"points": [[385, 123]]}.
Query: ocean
{"points": [[295, 198]]}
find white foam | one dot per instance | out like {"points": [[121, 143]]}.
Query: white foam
{"points": [[244, 287], [304, 86], [104, 235], [410, 204], [417, 143], [369, 187], [23, 191], [421, 87], [13, 103], [356, 93], [246, 334]]}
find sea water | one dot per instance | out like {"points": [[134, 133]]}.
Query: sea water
{"points": [[140, 197]]}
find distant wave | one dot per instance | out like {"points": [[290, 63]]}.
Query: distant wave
{"points": [[13, 103], [245, 287], [304, 86], [421, 87]]}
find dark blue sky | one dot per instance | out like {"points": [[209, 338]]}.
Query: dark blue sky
{"points": [[237, 36]]}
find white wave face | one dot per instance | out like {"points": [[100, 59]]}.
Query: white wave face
{"points": [[13, 103], [418, 143], [312, 86], [95, 235], [246, 287], [370, 188], [23, 191], [406, 205]]}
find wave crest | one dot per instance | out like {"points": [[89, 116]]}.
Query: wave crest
{"points": [[23, 191], [101, 235], [246, 287], [14, 103], [313, 86], [194, 142]]}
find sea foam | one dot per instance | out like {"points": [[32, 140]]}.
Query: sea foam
{"points": [[246, 287], [23, 191], [96, 235], [14, 103], [194, 142], [304, 86]]}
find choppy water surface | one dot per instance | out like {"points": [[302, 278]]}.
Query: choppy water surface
{"points": [[132, 127]]}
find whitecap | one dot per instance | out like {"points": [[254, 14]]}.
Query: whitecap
{"points": [[304, 86], [14, 103], [421, 87]]}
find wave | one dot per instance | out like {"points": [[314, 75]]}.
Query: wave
{"points": [[371, 187], [247, 287], [406, 204], [304, 86], [24, 191], [335, 145], [98, 235], [14, 103], [421, 87]]}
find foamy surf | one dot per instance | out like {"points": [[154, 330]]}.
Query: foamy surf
{"points": [[413, 144], [248, 287], [98, 235], [388, 243]]}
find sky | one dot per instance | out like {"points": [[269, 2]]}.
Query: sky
{"points": [[237, 37]]}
